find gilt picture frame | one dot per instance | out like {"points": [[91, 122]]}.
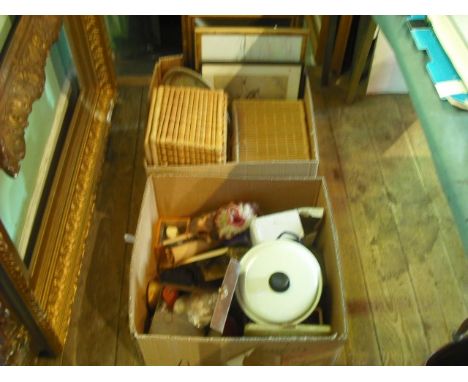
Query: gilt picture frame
{"points": [[43, 293]]}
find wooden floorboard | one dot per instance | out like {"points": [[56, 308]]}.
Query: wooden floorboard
{"points": [[362, 347], [95, 340], [439, 298], [69, 355], [127, 353], [451, 243], [392, 298]]}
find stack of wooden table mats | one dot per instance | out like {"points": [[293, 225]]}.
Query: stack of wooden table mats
{"points": [[186, 125], [269, 130]]}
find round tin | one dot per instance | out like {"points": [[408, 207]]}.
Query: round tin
{"points": [[280, 283]]}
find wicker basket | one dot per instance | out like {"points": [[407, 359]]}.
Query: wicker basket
{"points": [[266, 130], [186, 125]]}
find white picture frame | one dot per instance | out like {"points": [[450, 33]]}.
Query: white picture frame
{"points": [[249, 45]]}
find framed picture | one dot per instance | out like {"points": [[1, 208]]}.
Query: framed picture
{"points": [[249, 45], [189, 23], [267, 81]]}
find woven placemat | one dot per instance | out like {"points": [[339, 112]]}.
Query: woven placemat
{"points": [[270, 130]]}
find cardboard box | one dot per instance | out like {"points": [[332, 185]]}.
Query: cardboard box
{"points": [[179, 195], [296, 168]]}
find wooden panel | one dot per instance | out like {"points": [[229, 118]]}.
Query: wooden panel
{"points": [[187, 40], [322, 39], [311, 22], [362, 51], [329, 46], [341, 43]]}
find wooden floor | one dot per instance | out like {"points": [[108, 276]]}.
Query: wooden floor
{"points": [[405, 272]]}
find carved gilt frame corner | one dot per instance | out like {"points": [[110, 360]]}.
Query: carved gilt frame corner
{"points": [[48, 287], [22, 78]]}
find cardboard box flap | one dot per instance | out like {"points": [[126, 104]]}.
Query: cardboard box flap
{"points": [[188, 196], [142, 266], [327, 242], [272, 169], [310, 117], [169, 350]]}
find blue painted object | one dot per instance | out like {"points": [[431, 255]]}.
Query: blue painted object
{"points": [[417, 18], [445, 127], [440, 67]]}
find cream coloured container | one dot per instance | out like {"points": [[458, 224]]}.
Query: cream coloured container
{"points": [[280, 283]]}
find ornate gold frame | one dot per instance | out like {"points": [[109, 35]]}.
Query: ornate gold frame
{"points": [[46, 290], [22, 82]]}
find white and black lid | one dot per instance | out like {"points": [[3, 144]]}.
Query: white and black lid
{"points": [[280, 283]]}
